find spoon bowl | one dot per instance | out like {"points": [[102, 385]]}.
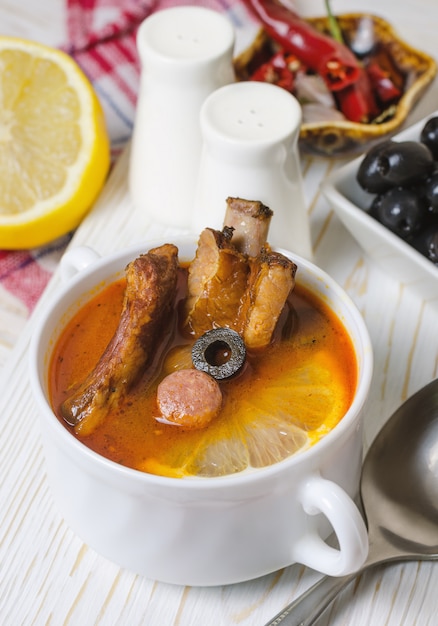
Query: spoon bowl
{"points": [[399, 484], [399, 490]]}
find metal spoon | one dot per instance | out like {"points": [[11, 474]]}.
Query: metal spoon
{"points": [[399, 490]]}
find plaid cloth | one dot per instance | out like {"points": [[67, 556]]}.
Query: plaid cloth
{"points": [[101, 38]]}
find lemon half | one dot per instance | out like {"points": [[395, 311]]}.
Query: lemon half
{"points": [[54, 145]]}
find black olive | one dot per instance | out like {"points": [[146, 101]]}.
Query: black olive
{"points": [[429, 136], [220, 352], [430, 191], [426, 243], [370, 175], [394, 164], [401, 210]]}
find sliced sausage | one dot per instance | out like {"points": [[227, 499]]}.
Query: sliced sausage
{"points": [[189, 398]]}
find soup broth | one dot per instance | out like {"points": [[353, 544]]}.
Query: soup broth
{"points": [[285, 398]]}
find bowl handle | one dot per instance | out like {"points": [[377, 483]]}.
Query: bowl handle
{"points": [[318, 495], [76, 260]]}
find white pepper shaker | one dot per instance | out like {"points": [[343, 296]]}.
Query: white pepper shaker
{"points": [[250, 132], [186, 53]]}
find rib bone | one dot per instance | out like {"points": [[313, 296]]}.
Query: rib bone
{"points": [[250, 220]]}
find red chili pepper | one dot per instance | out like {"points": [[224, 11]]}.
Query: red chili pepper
{"points": [[279, 70], [357, 102], [333, 61], [382, 84], [268, 73]]}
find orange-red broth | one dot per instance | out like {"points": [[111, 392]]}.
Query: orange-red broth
{"points": [[284, 399]]}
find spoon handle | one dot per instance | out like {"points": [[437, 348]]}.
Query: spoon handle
{"points": [[305, 610]]}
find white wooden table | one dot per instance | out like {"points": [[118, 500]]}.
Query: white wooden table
{"points": [[49, 577]]}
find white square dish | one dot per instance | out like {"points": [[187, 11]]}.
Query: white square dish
{"points": [[397, 257]]}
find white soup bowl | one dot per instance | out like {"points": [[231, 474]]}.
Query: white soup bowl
{"points": [[206, 531]]}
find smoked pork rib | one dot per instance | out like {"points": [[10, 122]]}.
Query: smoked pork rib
{"points": [[149, 297], [271, 280], [216, 283], [231, 289]]}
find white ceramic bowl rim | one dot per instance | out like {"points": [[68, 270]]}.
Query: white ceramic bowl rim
{"points": [[200, 484]]}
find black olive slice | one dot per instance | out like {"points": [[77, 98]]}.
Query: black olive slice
{"points": [[220, 352]]}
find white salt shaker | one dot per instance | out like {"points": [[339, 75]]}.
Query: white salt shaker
{"points": [[250, 132], [186, 53]]}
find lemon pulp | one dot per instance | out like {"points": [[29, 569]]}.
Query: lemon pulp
{"points": [[54, 146]]}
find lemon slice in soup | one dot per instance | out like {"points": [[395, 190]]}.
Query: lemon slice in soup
{"points": [[257, 445], [280, 417], [314, 395]]}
